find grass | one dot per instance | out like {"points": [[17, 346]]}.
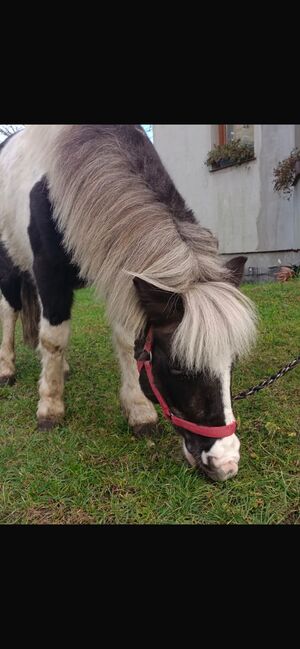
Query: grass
{"points": [[92, 470]]}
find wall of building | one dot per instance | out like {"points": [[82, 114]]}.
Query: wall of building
{"points": [[237, 203]]}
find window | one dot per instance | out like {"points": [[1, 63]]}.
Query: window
{"points": [[243, 132], [233, 146]]}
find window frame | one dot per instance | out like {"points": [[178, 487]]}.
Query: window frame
{"points": [[220, 134]]}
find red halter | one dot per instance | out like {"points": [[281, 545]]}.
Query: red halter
{"points": [[206, 431]]}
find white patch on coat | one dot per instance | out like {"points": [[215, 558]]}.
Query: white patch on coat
{"points": [[57, 335], [7, 350], [52, 346], [138, 409], [223, 457], [226, 396]]}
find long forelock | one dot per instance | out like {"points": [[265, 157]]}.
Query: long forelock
{"points": [[218, 327]]}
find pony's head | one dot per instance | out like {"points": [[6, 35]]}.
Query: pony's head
{"points": [[197, 337]]}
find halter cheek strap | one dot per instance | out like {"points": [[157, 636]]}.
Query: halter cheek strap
{"points": [[206, 431]]}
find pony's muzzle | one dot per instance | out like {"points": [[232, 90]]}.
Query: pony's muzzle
{"points": [[214, 469], [227, 470]]}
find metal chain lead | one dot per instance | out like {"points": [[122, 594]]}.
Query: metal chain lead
{"points": [[267, 382]]}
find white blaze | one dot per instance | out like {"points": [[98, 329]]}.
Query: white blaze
{"points": [[225, 451]]}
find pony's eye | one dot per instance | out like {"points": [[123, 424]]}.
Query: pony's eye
{"points": [[176, 371]]}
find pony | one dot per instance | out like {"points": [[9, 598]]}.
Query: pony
{"points": [[93, 205]]}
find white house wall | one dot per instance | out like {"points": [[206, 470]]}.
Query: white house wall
{"points": [[237, 203]]}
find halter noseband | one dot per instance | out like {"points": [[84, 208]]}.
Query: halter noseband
{"points": [[206, 431]]}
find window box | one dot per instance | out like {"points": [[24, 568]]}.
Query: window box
{"points": [[229, 154], [223, 164]]}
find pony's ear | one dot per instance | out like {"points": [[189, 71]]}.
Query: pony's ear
{"points": [[237, 267], [160, 306]]}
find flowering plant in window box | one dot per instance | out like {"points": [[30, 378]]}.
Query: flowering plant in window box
{"points": [[235, 152], [287, 174]]}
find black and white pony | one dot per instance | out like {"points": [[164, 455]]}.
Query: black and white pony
{"points": [[93, 204]]}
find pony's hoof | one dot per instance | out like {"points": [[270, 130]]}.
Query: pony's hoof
{"points": [[47, 424], [144, 430], [7, 380]]}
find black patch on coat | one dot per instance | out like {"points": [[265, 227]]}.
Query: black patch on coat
{"points": [[55, 275], [10, 280]]}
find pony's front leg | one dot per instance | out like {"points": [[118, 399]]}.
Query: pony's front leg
{"points": [[66, 369], [52, 345], [140, 412], [7, 350]]}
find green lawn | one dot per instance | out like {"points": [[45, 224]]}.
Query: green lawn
{"points": [[92, 470]]}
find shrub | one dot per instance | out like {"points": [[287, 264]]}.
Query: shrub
{"points": [[287, 173]]}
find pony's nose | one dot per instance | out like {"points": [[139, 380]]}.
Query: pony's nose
{"points": [[224, 471]]}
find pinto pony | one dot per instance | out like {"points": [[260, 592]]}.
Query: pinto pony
{"points": [[94, 205]]}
